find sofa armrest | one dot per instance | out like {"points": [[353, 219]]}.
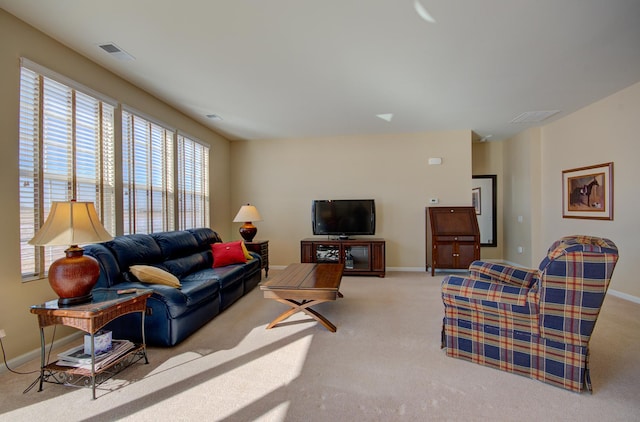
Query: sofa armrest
{"points": [[480, 290], [501, 273]]}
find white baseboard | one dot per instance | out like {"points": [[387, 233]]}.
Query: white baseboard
{"points": [[35, 354], [407, 269], [624, 296]]}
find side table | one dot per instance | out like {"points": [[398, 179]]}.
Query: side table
{"points": [[261, 247], [90, 317]]}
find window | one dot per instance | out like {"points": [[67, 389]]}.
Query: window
{"points": [[66, 152], [147, 173], [193, 183]]}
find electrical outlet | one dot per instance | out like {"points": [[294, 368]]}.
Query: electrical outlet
{"points": [[2, 333]]}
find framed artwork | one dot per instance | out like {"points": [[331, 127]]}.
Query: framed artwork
{"points": [[475, 200], [587, 192]]}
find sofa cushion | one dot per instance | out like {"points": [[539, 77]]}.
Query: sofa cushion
{"points": [[134, 249], [204, 236], [181, 267], [154, 275], [227, 277], [199, 287], [227, 253], [176, 244]]}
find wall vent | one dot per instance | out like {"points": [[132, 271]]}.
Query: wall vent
{"points": [[116, 51]]}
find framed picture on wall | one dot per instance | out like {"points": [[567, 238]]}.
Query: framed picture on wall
{"points": [[587, 192]]}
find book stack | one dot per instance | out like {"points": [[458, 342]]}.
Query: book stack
{"points": [[76, 357]]}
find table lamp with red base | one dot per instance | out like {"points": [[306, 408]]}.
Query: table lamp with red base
{"points": [[247, 214], [72, 223]]}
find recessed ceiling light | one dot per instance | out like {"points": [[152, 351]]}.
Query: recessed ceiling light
{"points": [[534, 116], [385, 116], [422, 12], [214, 117]]}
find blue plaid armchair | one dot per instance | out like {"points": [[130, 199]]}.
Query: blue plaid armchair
{"points": [[535, 323]]}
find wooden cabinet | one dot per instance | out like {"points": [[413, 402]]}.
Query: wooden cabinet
{"points": [[359, 256], [453, 237], [260, 247]]}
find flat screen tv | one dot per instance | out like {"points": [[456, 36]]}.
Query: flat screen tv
{"points": [[343, 217]]}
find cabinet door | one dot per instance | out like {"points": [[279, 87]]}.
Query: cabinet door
{"points": [[357, 256], [377, 257], [443, 255], [307, 254], [466, 254]]}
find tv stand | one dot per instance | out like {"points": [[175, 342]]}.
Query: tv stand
{"points": [[343, 237], [358, 256]]}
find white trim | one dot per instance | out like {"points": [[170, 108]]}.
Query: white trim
{"points": [[35, 354], [193, 138], [624, 296], [147, 117], [407, 269], [48, 73]]}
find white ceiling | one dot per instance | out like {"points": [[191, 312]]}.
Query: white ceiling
{"points": [[301, 68]]}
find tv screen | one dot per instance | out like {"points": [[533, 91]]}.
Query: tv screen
{"points": [[343, 217]]}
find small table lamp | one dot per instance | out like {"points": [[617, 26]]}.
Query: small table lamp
{"points": [[72, 223], [248, 213]]}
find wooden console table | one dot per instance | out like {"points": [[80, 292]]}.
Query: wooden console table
{"points": [[358, 256], [90, 317]]}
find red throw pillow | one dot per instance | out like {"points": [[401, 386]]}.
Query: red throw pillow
{"points": [[227, 253]]}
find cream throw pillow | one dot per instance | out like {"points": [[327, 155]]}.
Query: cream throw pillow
{"points": [[154, 275]]}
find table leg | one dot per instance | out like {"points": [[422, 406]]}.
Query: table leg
{"points": [[144, 340], [93, 366], [304, 306], [42, 356]]}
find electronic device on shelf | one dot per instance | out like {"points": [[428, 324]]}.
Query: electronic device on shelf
{"points": [[343, 217]]}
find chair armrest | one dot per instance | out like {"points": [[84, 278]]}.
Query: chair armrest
{"points": [[474, 290], [515, 276]]}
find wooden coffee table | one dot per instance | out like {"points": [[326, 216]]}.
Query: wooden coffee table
{"points": [[301, 286]]}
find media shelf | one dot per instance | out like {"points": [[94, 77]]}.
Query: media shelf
{"points": [[359, 256]]}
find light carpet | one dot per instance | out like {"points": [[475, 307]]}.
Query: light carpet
{"points": [[383, 364]]}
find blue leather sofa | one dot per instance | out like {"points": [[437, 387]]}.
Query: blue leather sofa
{"points": [[172, 313]]}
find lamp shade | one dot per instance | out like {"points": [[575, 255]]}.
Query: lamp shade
{"points": [[247, 213], [71, 223]]}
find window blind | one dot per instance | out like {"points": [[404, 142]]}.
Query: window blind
{"points": [[193, 183], [66, 152], [148, 175]]}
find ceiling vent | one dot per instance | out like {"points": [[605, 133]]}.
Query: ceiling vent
{"points": [[534, 116], [116, 51]]}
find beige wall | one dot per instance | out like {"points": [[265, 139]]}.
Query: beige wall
{"points": [[606, 131], [282, 177], [521, 183], [602, 132], [19, 40]]}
